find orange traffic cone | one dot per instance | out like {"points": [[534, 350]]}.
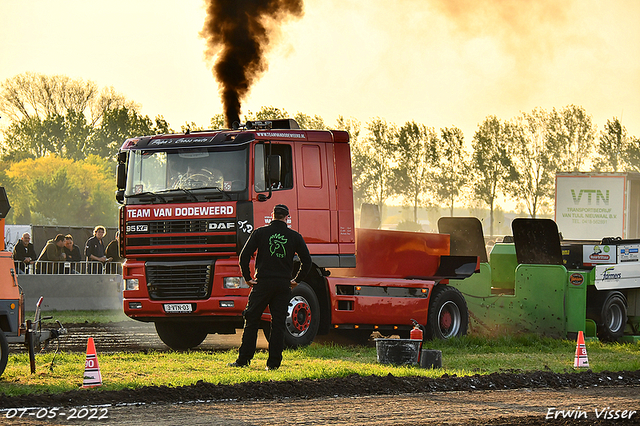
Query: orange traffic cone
{"points": [[92, 376], [581, 359]]}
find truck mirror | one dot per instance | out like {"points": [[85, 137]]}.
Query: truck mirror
{"points": [[121, 176], [120, 196], [274, 168], [4, 203], [122, 157]]}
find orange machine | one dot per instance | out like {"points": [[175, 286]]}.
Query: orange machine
{"points": [[13, 327]]}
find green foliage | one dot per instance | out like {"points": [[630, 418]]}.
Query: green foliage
{"points": [[372, 163], [57, 191], [535, 154], [616, 150], [267, 113], [574, 134], [492, 167], [31, 95], [453, 170], [416, 151], [217, 121], [119, 124], [308, 122]]}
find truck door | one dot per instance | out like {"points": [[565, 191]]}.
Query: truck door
{"points": [[313, 198]]}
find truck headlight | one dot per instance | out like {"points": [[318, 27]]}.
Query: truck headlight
{"points": [[133, 284], [234, 282]]}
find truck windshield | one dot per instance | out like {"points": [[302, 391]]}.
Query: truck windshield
{"points": [[186, 169]]}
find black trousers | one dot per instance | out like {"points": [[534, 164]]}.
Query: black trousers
{"points": [[276, 295]]}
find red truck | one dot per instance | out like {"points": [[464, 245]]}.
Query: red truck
{"points": [[190, 201]]}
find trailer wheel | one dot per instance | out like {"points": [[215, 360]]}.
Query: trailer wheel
{"points": [[303, 317], [4, 352], [180, 336], [613, 317], [448, 315]]}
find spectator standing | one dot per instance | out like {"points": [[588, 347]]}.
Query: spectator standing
{"points": [[52, 253], [94, 250], [113, 249], [113, 253], [24, 253], [71, 252]]}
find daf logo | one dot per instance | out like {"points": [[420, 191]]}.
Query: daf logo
{"points": [[221, 226]]}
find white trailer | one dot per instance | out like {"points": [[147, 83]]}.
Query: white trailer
{"points": [[590, 206]]}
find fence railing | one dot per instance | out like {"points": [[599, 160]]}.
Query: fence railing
{"points": [[47, 268]]}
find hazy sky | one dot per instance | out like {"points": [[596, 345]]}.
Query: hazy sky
{"points": [[439, 62]]}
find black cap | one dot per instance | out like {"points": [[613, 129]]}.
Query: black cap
{"points": [[281, 209]]}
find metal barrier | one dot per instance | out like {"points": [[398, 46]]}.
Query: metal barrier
{"points": [[82, 268]]}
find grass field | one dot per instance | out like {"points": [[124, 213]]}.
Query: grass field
{"points": [[466, 356]]}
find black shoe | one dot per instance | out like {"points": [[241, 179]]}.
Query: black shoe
{"points": [[237, 364], [271, 368]]}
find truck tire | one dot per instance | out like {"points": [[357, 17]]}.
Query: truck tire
{"points": [[4, 352], [612, 318], [448, 316], [303, 317], [180, 336]]}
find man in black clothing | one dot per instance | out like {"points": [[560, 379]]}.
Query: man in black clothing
{"points": [[276, 244], [95, 252], [24, 252]]}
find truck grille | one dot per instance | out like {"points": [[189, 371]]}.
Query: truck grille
{"points": [[177, 226], [179, 280], [173, 237]]}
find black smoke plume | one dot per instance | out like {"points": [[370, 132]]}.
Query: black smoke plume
{"points": [[239, 33]]}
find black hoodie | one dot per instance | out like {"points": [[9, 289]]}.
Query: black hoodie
{"points": [[276, 244]]}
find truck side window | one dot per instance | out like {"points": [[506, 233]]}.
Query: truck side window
{"points": [[286, 176]]}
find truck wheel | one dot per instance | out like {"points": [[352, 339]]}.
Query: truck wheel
{"points": [[448, 316], [180, 336], [4, 352], [303, 317], [613, 317]]}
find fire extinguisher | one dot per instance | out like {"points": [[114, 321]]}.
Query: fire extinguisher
{"points": [[417, 334]]}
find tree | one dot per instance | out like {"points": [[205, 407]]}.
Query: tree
{"points": [[218, 121], [33, 137], [70, 136], [615, 149], [491, 165], [267, 113], [120, 124], [573, 131], [452, 171], [417, 155], [308, 122], [373, 163], [30, 95], [57, 191], [535, 155], [351, 126]]}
